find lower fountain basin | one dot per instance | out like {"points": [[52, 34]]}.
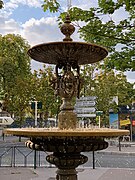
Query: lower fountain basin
{"points": [[56, 132], [66, 145]]}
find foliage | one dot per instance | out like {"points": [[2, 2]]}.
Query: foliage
{"points": [[106, 84], [42, 91], [1, 4], [19, 98], [14, 73], [18, 86], [99, 27], [51, 5], [14, 60]]}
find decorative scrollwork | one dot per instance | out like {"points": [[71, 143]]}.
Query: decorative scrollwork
{"points": [[33, 146], [68, 84], [67, 29]]}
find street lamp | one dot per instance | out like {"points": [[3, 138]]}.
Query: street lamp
{"points": [[130, 117], [132, 110], [36, 105], [99, 113]]}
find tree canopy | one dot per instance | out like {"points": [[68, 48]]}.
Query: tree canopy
{"points": [[14, 73], [14, 60], [105, 85], [1, 4], [18, 85], [43, 92], [100, 27]]}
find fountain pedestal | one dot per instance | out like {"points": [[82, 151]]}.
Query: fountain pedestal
{"points": [[68, 160], [66, 164], [67, 152], [67, 118]]}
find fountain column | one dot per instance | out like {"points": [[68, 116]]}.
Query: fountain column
{"points": [[66, 164], [67, 86]]}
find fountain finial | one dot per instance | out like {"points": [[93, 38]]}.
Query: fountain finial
{"points": [[67, 28]]}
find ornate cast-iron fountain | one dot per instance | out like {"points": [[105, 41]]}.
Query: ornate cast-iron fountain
{"points": [[67, 142]]}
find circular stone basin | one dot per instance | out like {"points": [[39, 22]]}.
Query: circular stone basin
{"points": [[67, 52], [55, 132]]}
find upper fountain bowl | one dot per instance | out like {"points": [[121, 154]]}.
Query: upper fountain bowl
{"points": [[79, 53]]}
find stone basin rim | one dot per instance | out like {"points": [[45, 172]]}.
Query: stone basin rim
{"points": [[78, 52], [68, 42], [45, 132]]}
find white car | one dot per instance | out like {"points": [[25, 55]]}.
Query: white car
{"points": [[5, 119]]}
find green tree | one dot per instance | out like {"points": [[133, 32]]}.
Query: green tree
{"points": [[19, 99], [106, 84], [43, 92], [14, 65], [119, 38], [107, 33], [19, 85], [1, 4]]}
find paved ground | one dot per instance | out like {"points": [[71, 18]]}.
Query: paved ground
{"points": [[83, 173], [126, 148]]}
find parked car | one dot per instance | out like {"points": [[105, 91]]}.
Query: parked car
{"points": [[5, 118]]}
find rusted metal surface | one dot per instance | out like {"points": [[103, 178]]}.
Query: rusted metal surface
{"points": [[67, 29], [79, 53], [66, 154]]}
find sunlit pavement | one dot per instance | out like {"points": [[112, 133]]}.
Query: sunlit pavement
{"points": [[127, 148], [83, 173]]}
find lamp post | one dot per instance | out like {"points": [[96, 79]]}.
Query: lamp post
{"points": [[35, 113], [99, 113], [130, 118], [36, 105], [132, 110]]}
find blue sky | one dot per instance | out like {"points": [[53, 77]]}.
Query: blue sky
{"points": [[23, 13], [26, 17]]}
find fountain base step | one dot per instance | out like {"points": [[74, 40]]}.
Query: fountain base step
{"points": [[69, 174], [66, 164]]}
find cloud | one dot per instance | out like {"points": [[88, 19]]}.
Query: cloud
{"points": [[85, 4], [35, 31], [130, 76], [9, 26], [119, 15], [42, 30], [11, 5]]}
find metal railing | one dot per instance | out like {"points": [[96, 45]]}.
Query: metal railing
{"points": [[14, 156], [21, 156]]}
